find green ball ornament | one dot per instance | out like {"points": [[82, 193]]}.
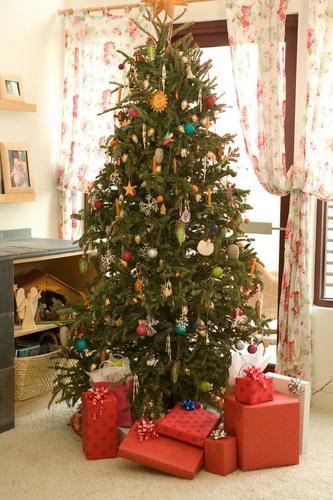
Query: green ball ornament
{"points": [[189, 129], [217, 272], [180, 232], [150, 52], [205, 386], [181, 330], [83, 265], [80, 344]]}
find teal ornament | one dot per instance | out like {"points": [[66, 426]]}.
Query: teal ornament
{"points": [[181, 330], [80, 344], [189, 129]]}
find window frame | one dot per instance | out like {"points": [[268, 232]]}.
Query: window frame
{"points": [[319, 279]]}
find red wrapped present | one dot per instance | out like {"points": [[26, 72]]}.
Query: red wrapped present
{"points": [[192, 427], [221, 455], [164, 454], [99, 424], [267, 433], [255, 387]]}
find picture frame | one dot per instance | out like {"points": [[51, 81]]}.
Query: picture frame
{"points": [[16, 168], [11, 88]]}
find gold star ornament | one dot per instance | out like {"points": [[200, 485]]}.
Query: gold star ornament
{"points": [[130, 190], [167, 5]]}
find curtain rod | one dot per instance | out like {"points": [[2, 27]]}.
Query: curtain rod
{"points": [[69, 12]]}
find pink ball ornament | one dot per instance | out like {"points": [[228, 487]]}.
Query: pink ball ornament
{"points": [[141, 330], [99, 204], [252, 349], [132, 113]]}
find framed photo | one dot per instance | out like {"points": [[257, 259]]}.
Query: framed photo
{"points": [[11, 88], [16, 168]]}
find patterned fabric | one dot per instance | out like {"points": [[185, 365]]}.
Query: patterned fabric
{"points": [[91, 63], [256, 35]]}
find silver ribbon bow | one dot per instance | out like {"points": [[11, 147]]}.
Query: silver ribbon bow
{"points": [[219, 432], [295, 386]]}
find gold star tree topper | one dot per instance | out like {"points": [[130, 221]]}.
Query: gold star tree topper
{"points": [[167, 5]]}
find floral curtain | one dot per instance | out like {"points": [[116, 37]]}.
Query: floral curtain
{"points": [[91, 62], [256, 34]]}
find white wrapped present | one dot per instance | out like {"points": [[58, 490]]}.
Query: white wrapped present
{"points": [[114, 370], [301, 390]]}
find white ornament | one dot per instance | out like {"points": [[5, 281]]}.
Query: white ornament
{"points": [[166, 289], [182, 320], [163, 77], [149, 206], [144, 135], [106, 260], [159, 155], [185, 59], [183, 152], [205, 247], [115, 178], [168, 346], [183, 104], [152, 253], [150, 325]]}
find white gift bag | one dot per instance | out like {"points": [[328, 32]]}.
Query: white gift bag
{"points": [[242, 359], [111, 371], [281, 383]]}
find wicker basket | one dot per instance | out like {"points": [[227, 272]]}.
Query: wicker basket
{"points": [[33, 376]]}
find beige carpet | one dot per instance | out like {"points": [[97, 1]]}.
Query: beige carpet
{"points": [[41, 459]]}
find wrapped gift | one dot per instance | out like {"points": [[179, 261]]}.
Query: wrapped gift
{"points": [[220, 455], [99, 424], [164, 454], [260, 359], [301, 390], [255, 387], [122, 392], [267, 433], [192, 427]]}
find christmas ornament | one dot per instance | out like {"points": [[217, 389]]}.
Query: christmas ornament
{"points": [[183, 152], [194, 118], [115, 178], [209, 196], [205, 247], [195, 188], [159, 198], [184, 104], [181, 330], [152, 253], [83, 265], [141, 329], [99, 204], [106, 260], [189, 128], [80, 344], [186, 214], [189, 74], [295, 386], [167, 138], [252, 349], [149, 206], [253, 267], [134, 138], [121, 66], [205, 386], [135, 386], [93, 367], [132, 113], [181, 129], [127, 256], [175, 371], [162, 209], [180, 232], [146, 429], [159, 101], [233, 251], [167, 5], [159, 155], [117, 207], [219, 432], [150, 325], [145, 84], [166, 289], [137, 239], [246, 221], [200, 99], [163, 77], [184, 59], [214, 229], [188, 404], [144, 135], [138, 286], [151, 132], [217, 272], [198, 197], [239, 345], [150, 49], [168, 346], [210, 101], [130, 190]]}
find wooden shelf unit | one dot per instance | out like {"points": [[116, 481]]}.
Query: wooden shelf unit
{"points": [[17, 106], [20, 332], [17, 198]]}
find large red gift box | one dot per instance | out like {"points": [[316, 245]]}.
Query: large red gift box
{"points": [[99, 424], [162, 453], [267, 433], [253, 391], [192, 427], [221, 455]]}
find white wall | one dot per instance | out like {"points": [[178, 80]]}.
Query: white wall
{"points": [[31, 45]]}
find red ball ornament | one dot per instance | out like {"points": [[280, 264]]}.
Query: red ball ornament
{"points": [[127, 256], [132, 113], [80, 330], [252, 349], [141, 330], [99, 204], [210, 101], [121, 66]]}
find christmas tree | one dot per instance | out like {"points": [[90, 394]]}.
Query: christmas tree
{"points": [[174, 271]]}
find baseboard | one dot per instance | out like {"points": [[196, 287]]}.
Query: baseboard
{"points": [[7, 427]]}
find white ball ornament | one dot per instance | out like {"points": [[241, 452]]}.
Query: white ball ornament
{"points": [[152, 253], [205, 247]]}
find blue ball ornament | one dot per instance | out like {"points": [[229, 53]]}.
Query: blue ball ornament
{"points": [[80, 344], [214, 229], [189, 129], [181, 330]]}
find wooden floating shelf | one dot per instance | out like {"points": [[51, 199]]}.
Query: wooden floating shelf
{"points": [[17, 106], [19, 332], [17, 198]]}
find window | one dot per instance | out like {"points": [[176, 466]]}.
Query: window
{"points": [[323, 287]]}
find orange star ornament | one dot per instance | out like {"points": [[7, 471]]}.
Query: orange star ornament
{"points": [[167, 5], [130, 190], [159, 101]]}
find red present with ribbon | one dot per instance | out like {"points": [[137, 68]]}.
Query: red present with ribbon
{"points": [[255, 387], [99, 424]]}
